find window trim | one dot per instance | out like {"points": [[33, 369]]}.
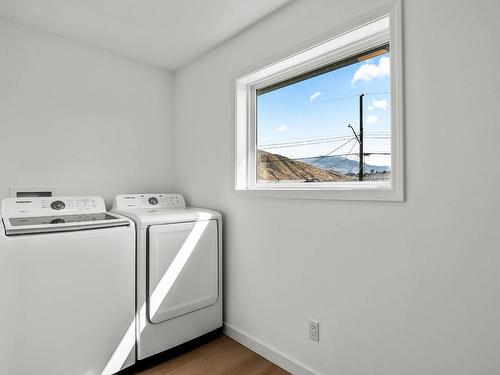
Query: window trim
{"points": [[381, 27]]}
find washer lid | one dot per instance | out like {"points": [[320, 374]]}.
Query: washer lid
{"points": [[56, 214]]}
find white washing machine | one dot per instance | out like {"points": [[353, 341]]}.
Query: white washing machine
{"points": [[179, 270], [67, 280]]}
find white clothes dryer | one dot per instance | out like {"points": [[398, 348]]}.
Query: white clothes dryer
{"points": [[179, 270]]}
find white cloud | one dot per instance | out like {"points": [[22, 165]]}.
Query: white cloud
{"points": [[367, 72], [282, 128], [370, 108], [382, 104], [371, 119], [314, 96]]}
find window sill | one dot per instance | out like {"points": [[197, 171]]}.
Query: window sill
{"points": [[362, 191]]}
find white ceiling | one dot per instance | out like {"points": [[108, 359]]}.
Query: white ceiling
{"points": [[166, 33]]}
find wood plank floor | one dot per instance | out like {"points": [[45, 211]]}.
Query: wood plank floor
{"points": [[221, 356]]}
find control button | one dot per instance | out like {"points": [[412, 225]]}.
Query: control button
{"points": [[58, 221], [57, 205], [153, 200]]}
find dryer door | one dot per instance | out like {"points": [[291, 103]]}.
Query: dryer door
{"points": [[182, 267]]}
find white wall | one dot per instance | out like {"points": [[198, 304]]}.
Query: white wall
{"points": [[399, 288], [81, 119]]}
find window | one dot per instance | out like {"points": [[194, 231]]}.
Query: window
{"points": [[325, 122], [331, 124]]}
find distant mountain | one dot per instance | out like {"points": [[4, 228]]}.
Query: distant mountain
{"points": [[274, 167], [342, 165]]}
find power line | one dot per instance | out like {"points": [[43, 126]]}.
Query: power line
{"points": [[312, 143], [315, 102], [378, 93], [308, 143], [352, 148], [331, 152], [300, 144], [305, 142], [358, 137], [286, 159], [326, 136]]}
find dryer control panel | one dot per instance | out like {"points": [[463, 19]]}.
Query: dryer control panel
{"points": [[130, 201]]}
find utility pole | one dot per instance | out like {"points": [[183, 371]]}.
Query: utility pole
{"points": [[361, 161]]}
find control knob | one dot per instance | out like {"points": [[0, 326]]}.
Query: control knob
{"points": [[153, 200], [57, 205]]}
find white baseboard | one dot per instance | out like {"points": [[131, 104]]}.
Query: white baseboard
{"points": [[271, 354]]}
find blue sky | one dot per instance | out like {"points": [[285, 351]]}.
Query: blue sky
{"points": [[323, 106]]}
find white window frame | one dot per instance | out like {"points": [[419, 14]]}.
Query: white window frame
{"points": [[382, 26]]}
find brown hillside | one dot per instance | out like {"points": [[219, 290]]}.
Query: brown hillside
{"points": [[274, 167]]}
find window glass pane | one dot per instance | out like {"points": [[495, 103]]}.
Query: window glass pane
{"points": [[309, 127]]}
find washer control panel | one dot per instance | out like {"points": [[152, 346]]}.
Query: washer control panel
{"points": [[130, 201], [51, 206]]}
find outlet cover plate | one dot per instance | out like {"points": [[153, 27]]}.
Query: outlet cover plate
{"points": [[313, 330]]}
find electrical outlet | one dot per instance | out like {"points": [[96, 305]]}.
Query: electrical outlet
{"points": [[313, 330]]}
